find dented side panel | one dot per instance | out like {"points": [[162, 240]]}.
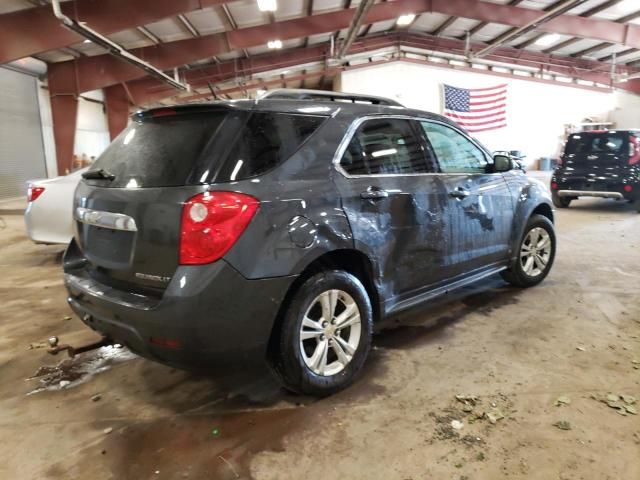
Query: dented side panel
{"points": [[528, 194]]}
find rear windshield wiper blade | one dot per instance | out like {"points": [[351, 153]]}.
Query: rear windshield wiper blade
{"points": [[100, 174]]}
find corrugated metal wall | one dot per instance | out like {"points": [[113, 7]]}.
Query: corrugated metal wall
{"points": [[21, 147]]}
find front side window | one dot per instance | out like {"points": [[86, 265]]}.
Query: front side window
{"points": [[386, 146], [455, 152]]}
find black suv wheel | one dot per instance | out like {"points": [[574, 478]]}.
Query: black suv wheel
{"points": [[561, 202], [536, 252], [325, 335]]}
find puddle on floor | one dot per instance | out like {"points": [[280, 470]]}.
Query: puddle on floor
{"points": [[75, 371]]}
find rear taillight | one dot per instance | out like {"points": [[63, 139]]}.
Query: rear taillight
{"points": [[554, 186], [33, 193], [634, 150], [211, 223]]}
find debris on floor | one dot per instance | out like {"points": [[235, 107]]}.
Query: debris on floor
{"points": [[562, 400], [622, 403], [562, 425], [72, 372], [457, 424]]}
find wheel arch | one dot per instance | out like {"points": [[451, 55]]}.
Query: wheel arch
{"points": [[347, 259]]}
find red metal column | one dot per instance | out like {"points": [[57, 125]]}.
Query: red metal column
{"points": [[117, 105], [64, 109]]}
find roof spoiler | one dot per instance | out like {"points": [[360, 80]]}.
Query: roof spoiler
{"points": [[322, 95]]}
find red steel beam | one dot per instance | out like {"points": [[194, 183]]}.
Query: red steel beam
{"points": [[148, 90], [64, 112], [117, 106], [103, 70], [35, 30]]}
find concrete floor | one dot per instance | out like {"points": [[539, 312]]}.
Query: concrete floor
{"points": [[577, 335]]}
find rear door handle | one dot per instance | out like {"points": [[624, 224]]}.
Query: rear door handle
{"points": [[374, 193], [460, 193]]}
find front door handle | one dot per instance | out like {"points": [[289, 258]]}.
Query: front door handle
{"points": [[460, 193], [374, 193]]}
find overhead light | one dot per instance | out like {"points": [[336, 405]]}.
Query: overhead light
{"points": [[267, 5], [274, 44], [87, 41], [406, 19], [548, 39]]}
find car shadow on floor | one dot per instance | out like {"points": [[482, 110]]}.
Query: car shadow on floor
{"points": [[214, 425]]}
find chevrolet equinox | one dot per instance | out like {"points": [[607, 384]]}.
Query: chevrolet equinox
{"points": [[285, 228]]}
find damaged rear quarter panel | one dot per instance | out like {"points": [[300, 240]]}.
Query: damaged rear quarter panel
{"points": [[528, 194]]}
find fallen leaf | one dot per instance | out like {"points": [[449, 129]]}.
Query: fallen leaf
{"points": [[562, 425], [630, 399], [612, 397], [563, 400], [494, 416], [630, 409]]}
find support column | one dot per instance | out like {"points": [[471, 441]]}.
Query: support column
{"points": [[64, 112], [117, 104]]}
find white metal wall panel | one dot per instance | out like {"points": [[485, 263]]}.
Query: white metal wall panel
{"points": [[21, 148]]}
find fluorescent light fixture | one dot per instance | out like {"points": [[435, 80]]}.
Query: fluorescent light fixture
{"points": [[548, 39], [384, 153], [274, 44], [406, 19], [267, 5]]}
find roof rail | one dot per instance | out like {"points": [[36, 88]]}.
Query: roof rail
{"points": [[323, 95]]}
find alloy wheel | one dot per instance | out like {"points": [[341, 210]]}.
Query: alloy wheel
{"points": [[535, 252], [330, 332]]}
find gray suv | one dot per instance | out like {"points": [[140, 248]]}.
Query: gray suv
{"points": [[284, 229]]}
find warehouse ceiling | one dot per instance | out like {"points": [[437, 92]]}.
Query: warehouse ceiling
{"points": [[232, 48]]}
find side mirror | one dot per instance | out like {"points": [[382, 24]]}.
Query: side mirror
{"points": [[502, 163]]}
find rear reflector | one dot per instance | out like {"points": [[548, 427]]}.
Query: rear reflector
{"points": [[166, 342], [33, 193], [211, 223], [628, 188], [554, 185]]}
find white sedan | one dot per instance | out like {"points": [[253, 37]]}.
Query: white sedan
{"points": [[49, 215]]}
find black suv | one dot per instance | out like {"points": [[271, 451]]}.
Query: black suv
{"points": [[602, 164], [285, 228]]}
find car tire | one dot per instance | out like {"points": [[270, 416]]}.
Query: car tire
{"points": [[561, 202], [529, 267], [295, 357]]}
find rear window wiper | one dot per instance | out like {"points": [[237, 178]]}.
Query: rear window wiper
{"points": [[100, 174]]}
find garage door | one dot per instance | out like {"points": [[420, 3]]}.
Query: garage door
{"points": [[21, 148]]}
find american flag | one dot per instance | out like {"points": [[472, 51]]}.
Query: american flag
{"points": [[477, 109]]}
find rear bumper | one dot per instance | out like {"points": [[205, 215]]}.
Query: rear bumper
{"points": [[210, 315], [590, 193]]}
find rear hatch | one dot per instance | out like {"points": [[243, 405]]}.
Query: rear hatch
{"points": [[598, 160], [129, 205]]}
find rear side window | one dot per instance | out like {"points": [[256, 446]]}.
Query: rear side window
{"points": [[265, 141], [387, 146], [156, 152], [597, 143]]}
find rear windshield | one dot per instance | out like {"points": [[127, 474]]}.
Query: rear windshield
{"points": [[156, 152], [188, 149], [597, 143]]}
